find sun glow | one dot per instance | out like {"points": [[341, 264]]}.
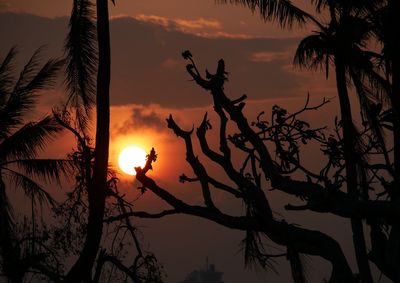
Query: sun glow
{"points": [[131, 157]]}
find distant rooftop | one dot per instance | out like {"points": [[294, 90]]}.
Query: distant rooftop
{"points": [[207, 274]]}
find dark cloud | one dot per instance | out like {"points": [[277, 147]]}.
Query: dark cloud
{"points": [[147, 67], [143, 118], [5, 6], [150, 48], [30, 32]]}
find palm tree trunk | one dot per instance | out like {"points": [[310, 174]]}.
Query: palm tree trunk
{"points": [[9, 252], [393, 45], [395, 101], [393, 40], [351, 169], [82, 269]]}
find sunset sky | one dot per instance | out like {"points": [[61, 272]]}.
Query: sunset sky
{"points": [[149, 81]]}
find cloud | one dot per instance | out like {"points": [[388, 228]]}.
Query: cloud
{"points": [[201, 27], [6, 7], [147, 66], [11, 7], [269, 56], [224, 35], [198, 24], [171, 63], [141, 118], [183, 25], [153, 19]]}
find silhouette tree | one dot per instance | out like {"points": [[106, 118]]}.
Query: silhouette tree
{"points": [[341, 42], [42, 251], [321, 191], [347, 36], [20, 144], [384, 19], [248, 186], [282, 11], [360, 159], [82, 62], [88, 51]]}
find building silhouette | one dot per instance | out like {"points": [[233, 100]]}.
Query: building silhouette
{"points": [[207, 274]]}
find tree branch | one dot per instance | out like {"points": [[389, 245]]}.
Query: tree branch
{"points": [[141, 214]]}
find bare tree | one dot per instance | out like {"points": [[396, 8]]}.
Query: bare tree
{"points": [[321, 191], [88, 81], [32, 251]]}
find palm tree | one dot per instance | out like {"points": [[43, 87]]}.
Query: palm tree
{"points": [[82, 64], [341, 44], [20, 144], [81, 59], [384, 19], [282, 11]]}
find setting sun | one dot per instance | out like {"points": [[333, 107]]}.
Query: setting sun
{"points": [[131, 157]]}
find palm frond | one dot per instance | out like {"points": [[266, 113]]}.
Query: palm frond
{"points": [[29, 71], [359, 7], [319, 4], [370, 108], [383, 27], [24, 95], [312, 53], [254, 252], [38, 80], [378, 86], [29, 140], [45, 169], [281, 11], [6, 77], [81, 57], [81, 119], [6, 212], [30, 187]]}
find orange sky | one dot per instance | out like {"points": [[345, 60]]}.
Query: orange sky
{"points": [[149, 82], [233, 19]]}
